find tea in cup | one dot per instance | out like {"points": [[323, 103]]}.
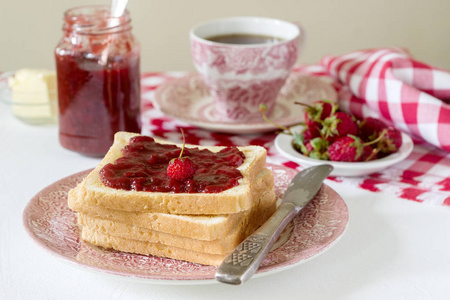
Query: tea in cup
{"points": [[244, 62]]}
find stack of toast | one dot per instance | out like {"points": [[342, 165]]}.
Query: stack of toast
{"points": [[197, 227]]}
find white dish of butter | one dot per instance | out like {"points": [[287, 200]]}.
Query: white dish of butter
{"points": [[32, 94]]}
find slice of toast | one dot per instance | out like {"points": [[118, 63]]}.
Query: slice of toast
{"points": [[247, 224], [122, 237], [201, 227], [140, 247], [234, 200]]}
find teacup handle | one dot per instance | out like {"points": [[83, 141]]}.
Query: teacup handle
{"points": [[302, 36]]}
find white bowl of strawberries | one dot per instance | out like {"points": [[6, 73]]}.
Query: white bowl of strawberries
{"points": [[353, 147]]}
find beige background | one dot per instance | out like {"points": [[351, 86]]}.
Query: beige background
{"points": [[30, 29]]}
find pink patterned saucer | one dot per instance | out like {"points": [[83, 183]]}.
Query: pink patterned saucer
{"points": [[49, 222], [188, 99]]}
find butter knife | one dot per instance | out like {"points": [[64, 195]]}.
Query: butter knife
{"points": [[244, 261]]}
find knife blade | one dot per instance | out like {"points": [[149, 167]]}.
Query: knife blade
{"points": [[244, 261]]}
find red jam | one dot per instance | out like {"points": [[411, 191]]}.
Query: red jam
{"points": [[144, 164], [97, 64], [95, 103]]}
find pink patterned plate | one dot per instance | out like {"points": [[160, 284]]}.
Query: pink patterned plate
{"points": [[188, 99], [49, 222]]}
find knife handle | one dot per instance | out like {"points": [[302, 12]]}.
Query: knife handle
{"points": [[244, 261]]}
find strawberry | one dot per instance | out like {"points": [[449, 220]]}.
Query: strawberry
{"points": [[370, 128], [339, 124], [309, 147], [318, 111], [349, 149], [369, 153], [388, 139], [391, 140], [311, 131], [315, 148], [181, 168]]}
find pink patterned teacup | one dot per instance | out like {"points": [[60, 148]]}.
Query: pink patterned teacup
{"points": [[241, 76]]}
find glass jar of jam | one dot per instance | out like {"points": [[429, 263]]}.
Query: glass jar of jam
{"points": [[97, 65]]}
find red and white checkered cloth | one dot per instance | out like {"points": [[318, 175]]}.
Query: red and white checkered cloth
{"points": [[424, 176], [388, 83]]}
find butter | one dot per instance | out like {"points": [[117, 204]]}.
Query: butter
{"points": [[34, 93]]}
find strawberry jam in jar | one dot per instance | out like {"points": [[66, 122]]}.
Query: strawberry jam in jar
{"points": [[97, 64]]}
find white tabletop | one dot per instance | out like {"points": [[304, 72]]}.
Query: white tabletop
{"points": [[393, 248]]}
